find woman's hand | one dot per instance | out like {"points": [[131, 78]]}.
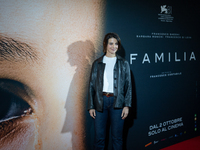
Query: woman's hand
{"points": [[92, 113], [125, 112]]}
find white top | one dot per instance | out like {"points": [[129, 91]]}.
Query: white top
{"points": [[108, 73]]}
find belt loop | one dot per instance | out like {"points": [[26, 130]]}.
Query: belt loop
{"points": [[107, 94]]}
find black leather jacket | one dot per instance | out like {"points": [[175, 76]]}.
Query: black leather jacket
{"points": [[122, 84]]}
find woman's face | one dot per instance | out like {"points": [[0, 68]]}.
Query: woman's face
{"points": [[45, 49], [112, 47]]}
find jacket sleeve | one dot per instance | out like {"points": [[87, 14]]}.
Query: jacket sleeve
{"points": [[91, 90], [128, 86]]}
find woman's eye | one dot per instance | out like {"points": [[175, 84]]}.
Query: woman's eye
{"points": [[12, 106]]}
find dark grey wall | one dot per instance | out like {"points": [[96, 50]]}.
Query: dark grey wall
{"points": [[163, 51]]}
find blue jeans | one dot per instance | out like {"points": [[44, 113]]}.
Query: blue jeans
{"points": [[100, 123]]}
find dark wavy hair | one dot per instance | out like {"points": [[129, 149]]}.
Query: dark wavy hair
{"points": [[107, 37]]}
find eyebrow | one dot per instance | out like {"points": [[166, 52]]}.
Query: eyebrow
{"points": [[13, 50]]}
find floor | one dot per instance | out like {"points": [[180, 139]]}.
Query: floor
{"points": [[191, 144]]}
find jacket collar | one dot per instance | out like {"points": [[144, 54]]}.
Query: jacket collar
{"points": [[100, 60]]}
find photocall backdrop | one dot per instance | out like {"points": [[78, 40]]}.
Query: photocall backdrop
{"points": [[46, 52], [160, 39]]}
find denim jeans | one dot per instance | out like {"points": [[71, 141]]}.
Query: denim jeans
{"points": [[100, 123]]}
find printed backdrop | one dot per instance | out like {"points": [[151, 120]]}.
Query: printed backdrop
{"points": [[46, 52], [161, 41]]}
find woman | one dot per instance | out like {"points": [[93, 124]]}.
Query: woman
{"points": [[110, 92]]}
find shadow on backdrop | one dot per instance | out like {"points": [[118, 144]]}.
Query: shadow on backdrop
{"points": [[85, 52], [129, 121]]}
